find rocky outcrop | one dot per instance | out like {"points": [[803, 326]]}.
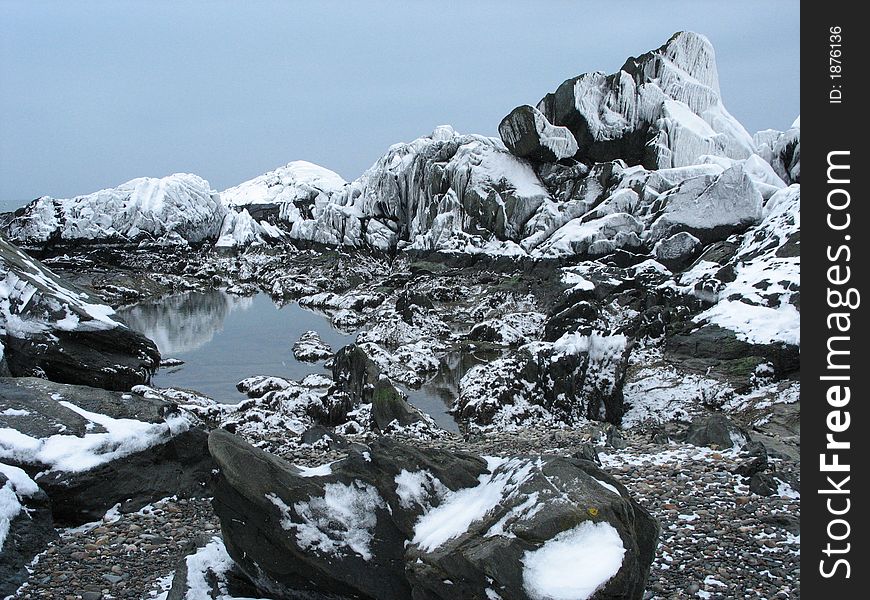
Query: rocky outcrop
{"points": [[576, 377], [50, 328], [391, 521], [179, 209], [90, 449], [662, 109]]}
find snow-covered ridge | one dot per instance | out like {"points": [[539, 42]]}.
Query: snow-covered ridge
{"points": [[177, 209]]}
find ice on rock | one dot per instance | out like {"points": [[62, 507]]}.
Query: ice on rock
{"points": [[240, 229], [445, 191], [179, 208], [662, 109]]}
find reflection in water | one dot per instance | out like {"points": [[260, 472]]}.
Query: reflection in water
{"points": [[183, 322], [437, 395], [223, 339]]}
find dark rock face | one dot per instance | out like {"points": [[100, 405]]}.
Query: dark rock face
{"points": [[181, 466], [527, 133], [361, 379], [29, 533], [371, 527], [714, 347], [677, 251], [65, 334], [174, 462]]}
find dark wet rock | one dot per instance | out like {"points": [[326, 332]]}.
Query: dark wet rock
{"points": [[71, 337], [750, 467], [181, 466], [715, 430], [711, 346], [280, 530], [677, 251], [587, 452], [314, 434], [763, 484]]}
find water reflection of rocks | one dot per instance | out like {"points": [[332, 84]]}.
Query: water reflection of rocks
{"points": [[183, 322]]}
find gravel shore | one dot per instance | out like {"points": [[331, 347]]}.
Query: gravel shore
{"points": [[718, 540]]}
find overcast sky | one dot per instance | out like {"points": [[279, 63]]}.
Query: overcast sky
{"points": [[95, 93]]}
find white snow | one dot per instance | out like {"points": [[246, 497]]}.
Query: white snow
{"points": [[574, 564], [294, 182], [460, 509], [18, 486], [15, 412], [211, 557], [352, 507], [417, 487], [74, 454]]}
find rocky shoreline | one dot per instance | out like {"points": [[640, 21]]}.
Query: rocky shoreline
{"points": [[718, 538], [629, 288]]}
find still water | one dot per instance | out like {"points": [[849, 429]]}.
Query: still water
{"points": [[223, 339]]}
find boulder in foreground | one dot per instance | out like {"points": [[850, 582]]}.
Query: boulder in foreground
{"points": [[391, 521]]}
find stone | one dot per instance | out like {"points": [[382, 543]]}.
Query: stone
{"points": [[375, 548], [526, 133], [73, 337]]}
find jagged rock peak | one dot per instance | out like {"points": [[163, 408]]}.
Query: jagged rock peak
{"points": [[662, 109]]}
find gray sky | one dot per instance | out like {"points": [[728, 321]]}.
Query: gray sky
{"points": [[95, 93]]}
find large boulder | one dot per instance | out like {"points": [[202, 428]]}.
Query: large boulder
{"points": [[526, 132], [394, 522], [90, 449], [710, 208], [50, 328], [662, 109]]}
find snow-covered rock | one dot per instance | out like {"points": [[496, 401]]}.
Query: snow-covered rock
{"points": [[292, 189], [526, 132], [761, 302], [662, 109], [710, 208], [240, 229], [782, 149], [94, 448], [177, 209], [445, 191], [392, 521], [575, 378], [52, 329], [26, 526], [310, 348]]}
